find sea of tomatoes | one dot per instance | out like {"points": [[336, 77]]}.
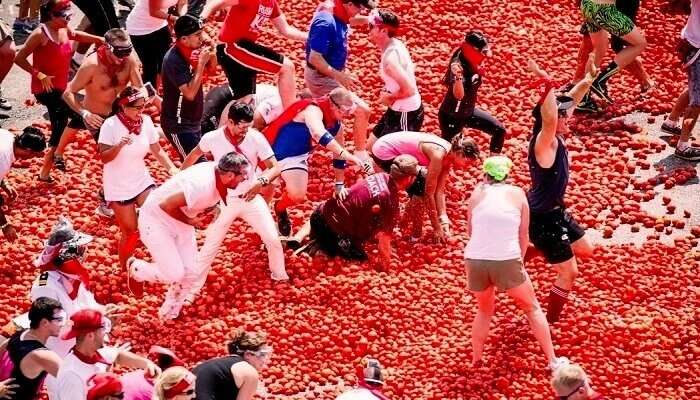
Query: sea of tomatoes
{"points": [[633, 320]]}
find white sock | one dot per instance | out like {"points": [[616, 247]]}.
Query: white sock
{"points": [[671, 123], [78, 58], [682, 145]]}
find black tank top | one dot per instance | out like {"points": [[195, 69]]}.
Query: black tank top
{"points": [[214, 379], [18, 349], [548, 184]]}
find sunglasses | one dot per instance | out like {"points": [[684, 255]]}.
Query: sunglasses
{"points": [[189, 392], [120, 51], [573, 392], [67, 15], [117, 396]]}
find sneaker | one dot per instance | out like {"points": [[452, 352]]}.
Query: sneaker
{"points": [[59, 163], [689, 153], [601, 90], [673, 130], [587, 105], [4, 103], [558, 363], [104, 210], [290, 242], [134, 285], [22, 26], [172, 305], [310, 248], [284, 225]]}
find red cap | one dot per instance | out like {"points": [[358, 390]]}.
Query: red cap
{"points": [[102, 385], [61, 5], [84, 321]]}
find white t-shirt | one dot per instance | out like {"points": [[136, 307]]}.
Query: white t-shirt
{"points": [[254, 148], [126, 176], [357, 394], [73, 375], [691, 31], [140, 21], [7, 152], [399, 50], [198, 183], [48, 284]]}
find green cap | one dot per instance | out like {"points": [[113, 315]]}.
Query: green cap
{"points": [[498, 167]]}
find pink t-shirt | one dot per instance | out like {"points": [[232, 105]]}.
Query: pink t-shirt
{"points": [[395, 144], [136, 386]]}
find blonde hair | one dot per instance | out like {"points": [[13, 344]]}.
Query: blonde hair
{"points": [[567, 378], [169, 378]]}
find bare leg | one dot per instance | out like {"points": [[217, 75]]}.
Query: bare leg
{"points": [[525, 298], [66, 139], [482, 321], [286, 84], [680, 106], [7, 57], [126, 219], [583, 51]]}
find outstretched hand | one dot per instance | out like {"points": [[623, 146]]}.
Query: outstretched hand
{"points": [[591, 68]]}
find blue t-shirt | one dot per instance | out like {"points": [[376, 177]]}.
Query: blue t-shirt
{"points": [[328, 36], [179, 115], [294, 139]]}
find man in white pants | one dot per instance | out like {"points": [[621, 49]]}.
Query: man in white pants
{"points": [[245, 201], [167, 223]]}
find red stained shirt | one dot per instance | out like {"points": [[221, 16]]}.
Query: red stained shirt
{"points": [[246, 19], [52, 59], [371, 206]]}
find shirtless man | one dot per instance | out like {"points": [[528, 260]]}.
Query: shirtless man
{"points": [[103, 75]]}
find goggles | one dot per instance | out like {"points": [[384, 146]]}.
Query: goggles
{"points": [[60, 318], [345, 109], [263, 352], [120, 51]]}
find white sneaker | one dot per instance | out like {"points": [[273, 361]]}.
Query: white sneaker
{"points": [[170, 309], [558, 363], [104, 210]]}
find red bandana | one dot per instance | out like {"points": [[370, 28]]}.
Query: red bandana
{"points": [[472, 55], [93, 359], [340, 13], [179, 388], [104, 60], [133, 126], [188, 54], [71, 267]]}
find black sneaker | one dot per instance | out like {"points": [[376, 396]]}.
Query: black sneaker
{"points": [[290, 242], [284, 225], [689, 153], [673, 130], [587, 105], [601, 90], [59, 163]]}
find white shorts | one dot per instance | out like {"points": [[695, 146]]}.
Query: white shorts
{"points": [[294, 162]]}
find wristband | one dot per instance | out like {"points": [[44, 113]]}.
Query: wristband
{"points": [[444, 219], [339, 186], [325, 139], [263, 180], [339, 164]]}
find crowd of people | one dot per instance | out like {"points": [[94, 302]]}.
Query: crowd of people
{"points": [[236, 142]]}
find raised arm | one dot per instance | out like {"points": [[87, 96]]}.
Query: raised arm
{"points": [[544, 148], [215, 5], [582, 87]]}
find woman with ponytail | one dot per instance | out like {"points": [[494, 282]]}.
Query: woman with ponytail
{"points": [[124, 141], [235, 377]]}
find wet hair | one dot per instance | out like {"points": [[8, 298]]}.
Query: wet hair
{"points": [[42, 308], [31, 139], [389, 19], [167, 380], [465, 147], [240, 112], [116, 35], [477, 39], [340, 95], [402, 166], [47, 9], [232, 162], [242, 341]]}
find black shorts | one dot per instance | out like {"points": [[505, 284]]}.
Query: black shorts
{"points": [[241, 62], [132, 200], [396, 121], [330, 242], [215, 102], [553, 232], [100, 13], [77, 123]]}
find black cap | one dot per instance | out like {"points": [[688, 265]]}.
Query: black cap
{"points": [[31, 139], [187, 25], [476, 39]]}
